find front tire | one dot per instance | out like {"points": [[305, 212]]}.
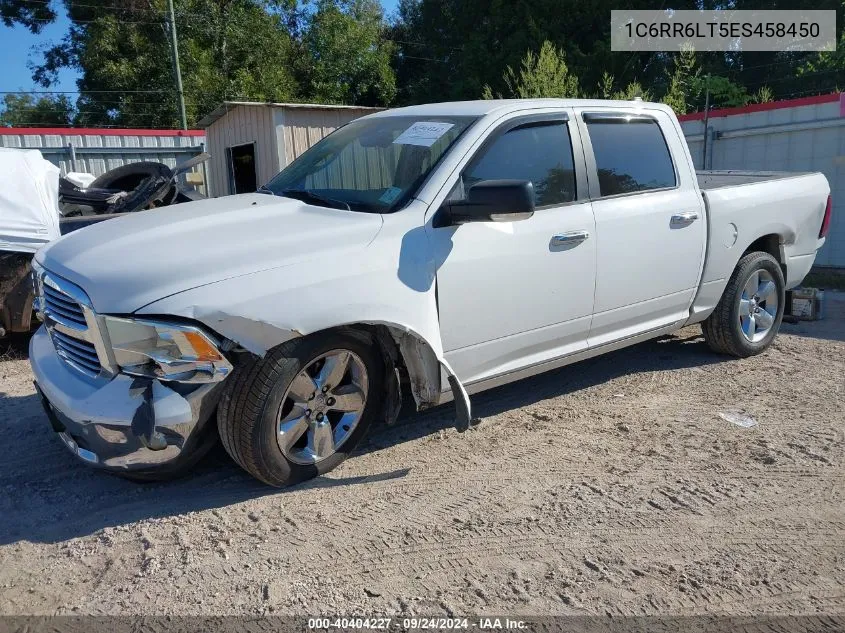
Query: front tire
{"points": [[749, 314], [300, 411]]}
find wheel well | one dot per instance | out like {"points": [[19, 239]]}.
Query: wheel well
{"points": [[417, 369], [387, 345], [768, 244]]}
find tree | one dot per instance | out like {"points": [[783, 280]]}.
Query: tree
{"points": [[632, 91], [763, 95], [724, 93], [683, 84], [827, 65], [25, 111], [540, 75], [257, 50], [33, 15], [341, 51], [229, 49], [348, 60]]}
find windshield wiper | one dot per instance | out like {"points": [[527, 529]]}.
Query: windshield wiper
{"points": [[265, 189], [310, 196]]}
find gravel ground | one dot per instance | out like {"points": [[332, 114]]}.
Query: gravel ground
{"points": [[612, 486]]}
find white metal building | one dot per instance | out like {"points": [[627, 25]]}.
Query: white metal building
{"points": [[250, 142], [97, 150], [796, 135]]}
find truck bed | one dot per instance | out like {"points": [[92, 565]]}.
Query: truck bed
{"points": [[716, 179], [744, 205]]}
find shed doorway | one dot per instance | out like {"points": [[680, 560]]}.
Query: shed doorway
{"points": [[242, 170]]}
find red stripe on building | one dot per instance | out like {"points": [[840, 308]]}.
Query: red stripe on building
{"points": [[93, 131], [763, 107]]}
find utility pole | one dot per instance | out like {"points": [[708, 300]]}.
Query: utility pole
{"points": [[174, 47], [706, 118]]}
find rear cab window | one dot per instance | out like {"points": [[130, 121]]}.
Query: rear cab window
{"points": [[631, 154]]}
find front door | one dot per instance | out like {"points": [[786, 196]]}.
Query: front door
{"points": [[512, 294]]}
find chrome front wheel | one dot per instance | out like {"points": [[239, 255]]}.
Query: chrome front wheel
{"points": [[322, 406], [302, 409]]}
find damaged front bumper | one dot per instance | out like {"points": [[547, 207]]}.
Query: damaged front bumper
{"points": [[120, 423]]}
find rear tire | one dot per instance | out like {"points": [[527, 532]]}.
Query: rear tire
{"points": [[127, 177], [266, 395], [746, 320]]}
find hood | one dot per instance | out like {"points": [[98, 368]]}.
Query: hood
{"points": [[125, 263]]}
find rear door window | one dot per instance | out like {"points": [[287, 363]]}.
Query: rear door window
{"points": [[630, 155], [539, 152]]}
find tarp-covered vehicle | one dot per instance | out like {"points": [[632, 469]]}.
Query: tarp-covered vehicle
{"points": [[29, 218], [37, 206]]}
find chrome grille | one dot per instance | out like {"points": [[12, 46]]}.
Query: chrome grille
{"points": [[63, 306], [71, 322], [80, 353]]}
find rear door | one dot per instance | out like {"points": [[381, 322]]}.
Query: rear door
{"points": [[650, 224]]}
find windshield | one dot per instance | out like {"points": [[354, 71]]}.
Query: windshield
{"points": [[373, 165]]}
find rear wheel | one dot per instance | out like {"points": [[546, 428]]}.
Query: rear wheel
{"points": [[299, 411], [749, 314]]}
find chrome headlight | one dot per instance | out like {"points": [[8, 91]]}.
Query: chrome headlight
{"points": [[168, 351]]}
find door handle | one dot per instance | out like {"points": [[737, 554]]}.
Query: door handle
{"points": [[571, 238], [683, 219]]}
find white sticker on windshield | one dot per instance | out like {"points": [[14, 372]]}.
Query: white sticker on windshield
{"points": [[390, 194], [423, 133]]}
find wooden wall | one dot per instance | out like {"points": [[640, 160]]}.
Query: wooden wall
{"points": [[280, 134], [240, 125]]}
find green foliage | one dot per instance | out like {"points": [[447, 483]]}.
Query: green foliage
{"points": [[25, 111], [605, 90], [632, 91], [605, 87], [228, 49], [683, 82], [257, 50], [33, 15], [724, 93], [349, 61], [688, 86], [763, 95], [827, 63], [540, 75], [343, 51]]}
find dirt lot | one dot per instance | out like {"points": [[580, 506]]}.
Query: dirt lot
{"points": [[613, 486]]}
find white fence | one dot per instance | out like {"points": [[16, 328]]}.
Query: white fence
{"points": [[98, 150]]}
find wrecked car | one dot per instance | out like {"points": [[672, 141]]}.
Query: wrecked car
{"points": [[128, 188], [425, 254]]}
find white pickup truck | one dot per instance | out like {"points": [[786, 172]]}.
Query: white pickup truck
{"points": [[428, 252]]}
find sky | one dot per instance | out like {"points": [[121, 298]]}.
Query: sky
{"points": [[19, 48]]}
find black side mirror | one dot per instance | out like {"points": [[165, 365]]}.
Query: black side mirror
{"points": [[494, 201]]}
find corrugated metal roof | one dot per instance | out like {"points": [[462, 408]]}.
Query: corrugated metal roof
{"points": [[224, 107]]}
